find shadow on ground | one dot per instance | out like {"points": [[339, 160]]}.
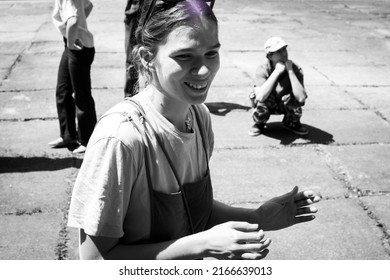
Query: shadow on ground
{"points": [[223, 108], [32, 164], [276, 130]]}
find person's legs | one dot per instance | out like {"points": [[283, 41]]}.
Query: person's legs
{"points": [[260, 116], [292, 116], [80, 71], [131, 80], [65, 103]]}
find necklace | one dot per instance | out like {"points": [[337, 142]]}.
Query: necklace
{"points": [[188, 122]]}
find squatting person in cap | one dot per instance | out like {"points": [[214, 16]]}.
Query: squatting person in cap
{"points": [[278, 89]]}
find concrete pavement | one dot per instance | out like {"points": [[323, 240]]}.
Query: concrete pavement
{"points": [[344, 50]]}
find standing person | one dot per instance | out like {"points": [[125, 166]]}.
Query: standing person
{"points": [[278, 89], [144, 189], [74, 75], [132, 14]]}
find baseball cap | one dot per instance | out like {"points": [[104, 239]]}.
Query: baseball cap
{"points": [[273, 44]]}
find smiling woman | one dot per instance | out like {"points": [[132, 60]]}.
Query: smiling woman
{"points": [[144, 189]]}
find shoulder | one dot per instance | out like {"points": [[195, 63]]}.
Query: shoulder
{"points": [[120, 123], [264, 69], [203, 114], [297, 68]]}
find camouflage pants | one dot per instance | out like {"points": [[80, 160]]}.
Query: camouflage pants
{"points": [[287, 106]]}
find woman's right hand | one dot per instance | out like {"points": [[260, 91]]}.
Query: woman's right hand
{"points": [[236, 240]]}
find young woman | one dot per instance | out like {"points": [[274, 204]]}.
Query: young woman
{"points": [[144, 190]]}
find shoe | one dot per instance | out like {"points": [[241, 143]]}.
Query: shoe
{"points": [[297, 128], [61, 143], [79, 150], [256, 129]]}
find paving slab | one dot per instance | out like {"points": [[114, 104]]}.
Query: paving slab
{"points": [[378, 207], [30, 139], [45, 78], [256, 175], [342, 230], [367, 166], [323, 130], [350, 126], [330, 97], [27, 105], [357, 76], [30, 237], [31, 184], [373, 97]]}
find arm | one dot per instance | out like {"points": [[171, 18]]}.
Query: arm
{"points": [[88, 8], [265, 86], [71, 33], [233, 240], [297, 88], [279, 212]]}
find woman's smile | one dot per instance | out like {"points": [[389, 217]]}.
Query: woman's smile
{"points": [[197, 85]]}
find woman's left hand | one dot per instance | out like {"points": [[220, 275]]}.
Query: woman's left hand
{"points": [[285, 210]]}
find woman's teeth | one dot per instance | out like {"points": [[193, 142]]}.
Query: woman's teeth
{"points": [[197, 86]]}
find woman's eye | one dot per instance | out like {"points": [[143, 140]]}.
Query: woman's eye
{"points": [[183, 56], [212, 54]]}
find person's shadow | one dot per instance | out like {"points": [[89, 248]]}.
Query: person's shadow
{"points": [[222, 108], [34, 164], [316, 136], [275, 129]]}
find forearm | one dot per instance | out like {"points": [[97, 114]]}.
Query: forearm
{"points": [[88, 9], [224, 213], [71, 31], [262, 92], [297, 88], [188, 247]]}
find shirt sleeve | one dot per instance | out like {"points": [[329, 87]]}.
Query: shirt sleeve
{"points": [[62, 12], [70, 8], [102, 189], [261, 75]]}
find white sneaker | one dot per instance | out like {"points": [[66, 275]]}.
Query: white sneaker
{"points": [[79, 150]]}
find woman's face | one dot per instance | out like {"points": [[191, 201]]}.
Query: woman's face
{"points": [[187, 62]]}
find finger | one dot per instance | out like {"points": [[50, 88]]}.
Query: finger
{"points": [[303, 219], [305, 202], [255, 255], [304, 195], [244, 226], [306, 210], [308, 201], [250, 237], [254, 246]]}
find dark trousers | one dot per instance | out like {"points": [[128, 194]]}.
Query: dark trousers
{"points": [[74, 77], [131, 79]]}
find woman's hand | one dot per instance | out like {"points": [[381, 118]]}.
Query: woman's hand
{"points": [[236, 240], [285, 210]]}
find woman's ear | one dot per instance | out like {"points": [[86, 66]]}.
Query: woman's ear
{"points": [[146, 59]]}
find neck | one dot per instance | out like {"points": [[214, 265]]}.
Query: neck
{"points": [[173, 110]]}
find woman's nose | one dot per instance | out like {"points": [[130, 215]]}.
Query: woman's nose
{"points": [[201, 71]]}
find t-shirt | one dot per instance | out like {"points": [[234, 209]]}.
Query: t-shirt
{"points": [[110, 197], [64, 10], [283, 85]]}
